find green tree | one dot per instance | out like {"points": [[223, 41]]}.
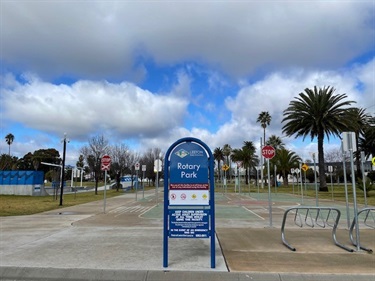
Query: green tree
{"points": [[264, 119], [275, 142], [9, 138], [8, 162], [219, 156], [227, 150], [285, 160], [246, 155], [318, 113], [366, 142]]}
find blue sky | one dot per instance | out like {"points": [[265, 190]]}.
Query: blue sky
{"points": [[147, 73]]}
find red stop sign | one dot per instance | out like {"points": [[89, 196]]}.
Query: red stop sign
{"points": [[106, 163], [268, 152]]}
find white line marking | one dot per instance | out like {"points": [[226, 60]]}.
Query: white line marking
{"points": [[253, 213]]}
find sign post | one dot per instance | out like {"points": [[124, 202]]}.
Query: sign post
{"points": [[136, 166], [105, 166], [269, 152], [157, 168], [189, 194], [143, 186]]}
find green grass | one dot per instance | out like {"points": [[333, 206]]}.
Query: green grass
{"points": [[12, 205], [16, 205]]}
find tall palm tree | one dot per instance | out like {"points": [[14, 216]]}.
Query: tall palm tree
{"points": [[219, 156], [9, 138], [264, 119], [318, 113], [285, 160]]}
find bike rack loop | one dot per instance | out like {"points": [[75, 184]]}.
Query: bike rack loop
{"points": [[368, 212], [318, 209]]}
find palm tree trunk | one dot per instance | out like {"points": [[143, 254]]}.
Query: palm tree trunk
{"points": [[322, 175]]}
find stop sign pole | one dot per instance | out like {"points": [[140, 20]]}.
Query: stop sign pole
{"points": [[105, 166], [269, 152]]}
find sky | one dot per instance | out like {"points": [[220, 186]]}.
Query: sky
{"points": [[147, 73]]}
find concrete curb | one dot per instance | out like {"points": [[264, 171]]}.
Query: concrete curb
{"points": [[78, 274]]}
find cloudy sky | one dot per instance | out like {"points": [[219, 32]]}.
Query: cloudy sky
{"points": [[147, 73]]}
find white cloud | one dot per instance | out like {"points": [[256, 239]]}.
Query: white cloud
{"points": [[92, 107], [105, 39]]}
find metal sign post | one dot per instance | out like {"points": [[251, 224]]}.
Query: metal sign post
{"points": [[269, 152], [137, 165], [143, 177], [349, 144], [105, 166], [189, 194]]}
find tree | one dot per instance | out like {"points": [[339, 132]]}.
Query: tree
{"points": [[9, 138], [246, 155], [318, 113], [285, 160], [122, 161], [93, 153], [275, 142], [8, 162], [264, 119], [227, 150], [219, 156], [359, 121], [367, 141]]}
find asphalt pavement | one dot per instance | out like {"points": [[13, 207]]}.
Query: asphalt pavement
{"points": [[126, 243]]}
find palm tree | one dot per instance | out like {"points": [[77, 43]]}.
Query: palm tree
{"points": [[367, 141], [247, 156], [359, 121], [219, 156], [264, 119], [318, 113], [285, 160], [275, 142], [227, 150], [9, 138]]}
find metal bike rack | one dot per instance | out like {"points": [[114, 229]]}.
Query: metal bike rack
{"points": [[368, 212], [312, 217]]}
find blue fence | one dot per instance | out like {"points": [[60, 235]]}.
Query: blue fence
{"points": [[21, 177]]}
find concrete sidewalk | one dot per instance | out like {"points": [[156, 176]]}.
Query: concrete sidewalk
{"points": [[125, 243]]}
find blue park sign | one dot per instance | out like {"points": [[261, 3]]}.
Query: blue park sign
{"points": [[189, 199]]}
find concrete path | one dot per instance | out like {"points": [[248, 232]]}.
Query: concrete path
{"points": [[125, 243]]}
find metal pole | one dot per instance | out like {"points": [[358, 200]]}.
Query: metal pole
{"points": [[345, 185], [316, 182], [364, 177], [269, 192], [157, 183], [136, 187], [274, 166], [261, 164], [62, 171], [300, 170], [143, 185], [105, 190], [355, 200]]}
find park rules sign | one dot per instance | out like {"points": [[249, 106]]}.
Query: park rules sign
{"points": [[189, 194], [189, 175]]}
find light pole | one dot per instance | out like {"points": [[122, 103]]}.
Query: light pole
{"points": [[62, 170]]}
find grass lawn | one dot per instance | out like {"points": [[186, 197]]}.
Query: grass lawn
{"points": [[15, 205], [12, 205]]}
